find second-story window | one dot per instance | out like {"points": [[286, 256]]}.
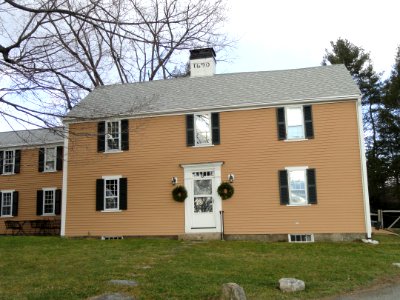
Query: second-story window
{"points": [[50, 159], [10, 161], [295, 122], [113, 136], [202, 129]]}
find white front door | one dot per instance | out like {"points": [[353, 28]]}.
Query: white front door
{"points": [[203, 204]]}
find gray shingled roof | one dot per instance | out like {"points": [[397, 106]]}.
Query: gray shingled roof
{"points": [[224, 91], [33, 137]]}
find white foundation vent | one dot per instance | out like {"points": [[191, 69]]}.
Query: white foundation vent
{"points": [[301, 238], [104, 238]]}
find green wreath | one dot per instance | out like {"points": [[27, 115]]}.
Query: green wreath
{"points": [[179, 193], [225, 190]]}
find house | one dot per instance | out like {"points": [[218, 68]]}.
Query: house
{"points": [[289, 142], [31, 163]]}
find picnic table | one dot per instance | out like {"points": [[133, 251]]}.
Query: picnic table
{"points": [[33, 227]]}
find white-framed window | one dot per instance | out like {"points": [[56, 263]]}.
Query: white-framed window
{"points": [[8, 161], [202, 129], [113, 136], [6, 203], [294, 122], [50, 159], [301, 238], [49, 201], [111, 193], [297, 183]]}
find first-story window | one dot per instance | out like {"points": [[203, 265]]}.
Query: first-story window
{"points": [[297, 186], [111, 193], [48, 202], [8, 203]]}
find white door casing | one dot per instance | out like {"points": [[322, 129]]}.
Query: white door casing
{"points": [[203, 204]]}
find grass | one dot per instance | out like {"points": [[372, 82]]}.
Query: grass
{"points": [[55, 268]]}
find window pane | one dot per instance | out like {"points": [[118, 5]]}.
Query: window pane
{"points": [[203, 130], [203, 187], [50, 159], [298, 187], [48, 202], [203, 204], [295, 127], [111, 197], [6, 204], [8, 161], [112, 136]]}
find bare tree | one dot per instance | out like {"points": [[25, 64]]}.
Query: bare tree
{"points": [[55, 52]]}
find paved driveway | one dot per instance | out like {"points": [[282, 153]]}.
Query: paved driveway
{"points": [[391, 292]]}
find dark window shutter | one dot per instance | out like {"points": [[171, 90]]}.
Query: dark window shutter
{"points": [[124, 135], [60, 158], [311, 186], [216, 140], [41, 160], [39, 203], [308, 123], [17, 161], [1, 161], [123, 193], [101, 136], [57, 208], [99, 194], [280, 117], [189, 130], [15, 204], [1, 195], [283, 187]]}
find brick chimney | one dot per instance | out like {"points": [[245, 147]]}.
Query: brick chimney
{"points": [[202, 62]]}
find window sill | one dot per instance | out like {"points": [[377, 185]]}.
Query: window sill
{"points": [[48, 215], [6, 217], [50, 171], [298, 205], [8, 174], [111, 210], [203, 146], [296, 140], [113, 151]]}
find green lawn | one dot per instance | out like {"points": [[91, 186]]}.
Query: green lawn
{"points": [[55, 268]]}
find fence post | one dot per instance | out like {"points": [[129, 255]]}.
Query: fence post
{"points": [[380, 218]]}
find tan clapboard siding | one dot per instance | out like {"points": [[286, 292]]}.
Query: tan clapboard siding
{"points": [[249, 149], [27, 182]]}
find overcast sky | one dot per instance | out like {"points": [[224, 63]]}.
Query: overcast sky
{"points": [[286, 34]]}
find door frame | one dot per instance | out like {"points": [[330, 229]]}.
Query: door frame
{"points": [[217, 207]]}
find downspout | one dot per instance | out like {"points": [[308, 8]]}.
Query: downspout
{"points": [[65, 181], [364, 176]]}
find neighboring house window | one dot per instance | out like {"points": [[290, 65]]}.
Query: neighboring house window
{"points": [[297, 186], [50, 159], [113, 136], [111, 193], [48, 202], [202, 129], [8, 203], [10, 161], [295, 122]]}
